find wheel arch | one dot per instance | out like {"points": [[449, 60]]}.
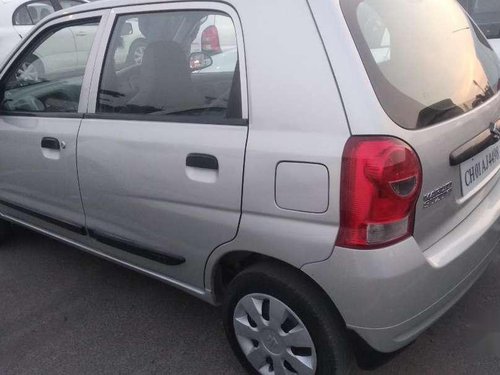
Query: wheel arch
{"points": [[224, 267]]}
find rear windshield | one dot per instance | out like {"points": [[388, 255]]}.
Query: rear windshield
{"points": [[427, 61]]}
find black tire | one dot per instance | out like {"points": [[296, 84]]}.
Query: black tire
{"points": [[311, 305]]}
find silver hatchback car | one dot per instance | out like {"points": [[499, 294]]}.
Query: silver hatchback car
{"points": [[334, 172]]}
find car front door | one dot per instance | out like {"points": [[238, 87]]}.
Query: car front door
{"points": [[160, 162], [40, 115]]}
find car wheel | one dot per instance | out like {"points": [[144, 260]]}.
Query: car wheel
{"points": [[278, 322], [136, 53], [31, 70]]}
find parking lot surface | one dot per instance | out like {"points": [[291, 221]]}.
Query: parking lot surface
{"points": [[66, 312]]}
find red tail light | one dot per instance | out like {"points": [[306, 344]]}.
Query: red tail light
{"points": [[380, 185], [210, 42]]}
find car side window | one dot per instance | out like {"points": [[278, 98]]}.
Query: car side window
{"points": [[49, 74], [181, 64]]}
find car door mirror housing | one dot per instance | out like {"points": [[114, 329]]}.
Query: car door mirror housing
{"points": [[200, 61]]}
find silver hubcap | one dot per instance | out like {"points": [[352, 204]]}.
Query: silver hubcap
{"points": [[273, 338], [139, 55]]}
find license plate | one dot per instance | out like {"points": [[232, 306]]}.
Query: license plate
{"points": [[477, 169]]}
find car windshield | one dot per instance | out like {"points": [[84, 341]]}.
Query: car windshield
{"points": [[427, 61]]}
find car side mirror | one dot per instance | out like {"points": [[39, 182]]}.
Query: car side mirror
{"points": [[199, 61], [127, 29]]}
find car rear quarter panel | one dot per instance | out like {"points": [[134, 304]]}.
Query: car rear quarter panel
{"points": [[296, 115], [442, 258], [432, 144]]}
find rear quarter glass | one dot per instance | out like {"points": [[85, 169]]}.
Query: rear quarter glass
{"points": [[427, 61]]}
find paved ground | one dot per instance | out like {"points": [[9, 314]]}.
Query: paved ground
{"points": [[66, 312]]}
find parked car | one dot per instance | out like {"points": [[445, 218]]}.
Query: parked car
{"points": [[311, 193], [17, 18], [486, 13]]}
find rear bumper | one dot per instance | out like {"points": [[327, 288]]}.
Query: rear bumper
{"points": [[390, 296]]}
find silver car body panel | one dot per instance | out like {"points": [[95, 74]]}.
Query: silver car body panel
{"points": [[302, 187], [44, 181], [149, 196], [390, 296], [306, 125]]}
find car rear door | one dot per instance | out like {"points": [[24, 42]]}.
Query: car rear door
{"points": [[161, 164], [40, 116]]}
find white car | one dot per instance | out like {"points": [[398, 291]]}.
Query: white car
{"points": [[17, 18]]}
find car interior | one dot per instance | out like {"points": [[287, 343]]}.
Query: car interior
{"points": [[165, 84], [29, 87]]}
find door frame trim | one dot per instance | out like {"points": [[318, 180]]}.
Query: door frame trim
{"points": [[171, 119]]}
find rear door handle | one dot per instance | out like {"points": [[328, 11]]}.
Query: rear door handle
{"points": [[51, 143], [476, 145], [202, 161]]}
